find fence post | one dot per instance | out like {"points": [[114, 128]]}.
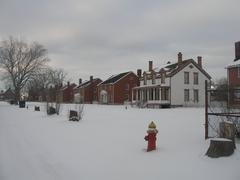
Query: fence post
{"points": [[206, 109]]}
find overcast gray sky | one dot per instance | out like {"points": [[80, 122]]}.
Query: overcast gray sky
{"points": [[105, 37]]}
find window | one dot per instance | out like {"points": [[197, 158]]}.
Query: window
{"points": [[126, 87], [186, 95], [157, 94], [145, 79], [195, 95], [153, 78], [237, 94], [144, 95], [163, 78], [151, 94], [186, 77], [164, 94], [238, 72], [195, 78], [138, 94]]}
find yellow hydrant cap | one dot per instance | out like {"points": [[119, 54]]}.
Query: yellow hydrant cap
{"points": [[152, 125]]}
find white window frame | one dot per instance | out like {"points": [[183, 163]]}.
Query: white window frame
{"points": [[186, 95], [195, 78], [196, 98], [186, 77]]}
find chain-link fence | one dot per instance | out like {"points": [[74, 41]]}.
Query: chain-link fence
{"points": [[219, 108]]}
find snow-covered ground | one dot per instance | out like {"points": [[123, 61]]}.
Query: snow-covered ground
{"points": [[108, 144]]}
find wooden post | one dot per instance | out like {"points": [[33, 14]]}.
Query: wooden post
{"points": [[206, 109]]}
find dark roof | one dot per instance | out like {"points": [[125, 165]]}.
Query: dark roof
{"points": [[83, 84], [114, 78], [86, 83], [173, 69], [66, 86]]}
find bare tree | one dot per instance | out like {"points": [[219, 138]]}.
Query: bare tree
{"points": [[46, 83], [21, 62]]}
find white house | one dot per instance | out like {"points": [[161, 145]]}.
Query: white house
{"points": [[173, 84]]}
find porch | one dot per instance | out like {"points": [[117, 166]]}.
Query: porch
{"points": [[151, 96]]}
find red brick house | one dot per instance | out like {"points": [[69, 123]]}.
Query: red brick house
{"points": [[87, 92], [66, 93], [118, 88], [234, 78]]}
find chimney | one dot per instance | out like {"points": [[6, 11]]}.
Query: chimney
{"points": [[80, 81], [237, 51], [199, 61], [68, 83], [91, 78], [139, 73], [179, 57], [150, 65]]}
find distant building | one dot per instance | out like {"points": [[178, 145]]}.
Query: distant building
{"points": [[66, 93], [173, 84], [86, 92], [233, 74], [7, 95], [118, 88]]}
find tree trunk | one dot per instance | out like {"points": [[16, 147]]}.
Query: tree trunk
{"points": [[17, 94]]}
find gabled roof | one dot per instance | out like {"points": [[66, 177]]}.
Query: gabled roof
{"points": [[86, 83], [187, 62], [172, 69], [66, 86], [115, 78]]}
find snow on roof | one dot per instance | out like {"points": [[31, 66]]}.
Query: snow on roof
{"points": [[234, 64]]}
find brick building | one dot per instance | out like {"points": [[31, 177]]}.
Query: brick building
{"points": [[118, 88], [87, 92], [233, 74], [66, 93]]}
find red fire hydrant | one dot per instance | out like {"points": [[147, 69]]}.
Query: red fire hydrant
{"points": [[151, 137]]}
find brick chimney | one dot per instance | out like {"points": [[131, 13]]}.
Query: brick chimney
{"points": [[179, 57], [139, 73], [199, 61], [91, 78], [80, 81], [150, 65], [237, 51]]}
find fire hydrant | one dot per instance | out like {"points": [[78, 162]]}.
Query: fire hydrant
{"points": [[151, 137]]}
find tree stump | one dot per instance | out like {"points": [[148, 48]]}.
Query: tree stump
{"points": [[37, 108], [227, 130], [73, 116], [51, 110], [220, 147]]}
